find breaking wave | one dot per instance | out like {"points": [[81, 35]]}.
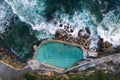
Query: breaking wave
{"points": [[109, 28], [33, 13]]}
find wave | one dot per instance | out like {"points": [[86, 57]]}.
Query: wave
{"points": [[109, 28], [6, 15], [32, 12]]}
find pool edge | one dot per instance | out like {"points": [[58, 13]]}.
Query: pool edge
{"points": [[60, 41]]}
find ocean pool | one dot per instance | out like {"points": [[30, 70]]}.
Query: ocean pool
{"points": [[59, 54]]}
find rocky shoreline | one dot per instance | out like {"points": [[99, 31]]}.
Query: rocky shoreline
{"points": [[103, 51], [9, 58], [62, 35], [84, 41]]}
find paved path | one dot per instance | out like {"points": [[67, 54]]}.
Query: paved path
{"points": [[7, 72], [87, 64]]}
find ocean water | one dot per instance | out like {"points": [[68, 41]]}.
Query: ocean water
{"points": [[59, 54], [102, 17]]}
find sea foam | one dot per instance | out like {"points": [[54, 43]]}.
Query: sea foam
{"points": [[32, 12]]}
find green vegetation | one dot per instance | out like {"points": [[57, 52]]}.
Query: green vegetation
{"points": [[98, 75], [29, 76]]}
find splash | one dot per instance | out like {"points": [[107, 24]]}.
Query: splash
{"points": [[6, 15], [32, 12], [109, 29]]}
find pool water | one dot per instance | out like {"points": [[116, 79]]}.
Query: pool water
{"points": [[59, 54]]}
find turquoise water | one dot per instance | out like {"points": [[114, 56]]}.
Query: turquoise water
{"points": [[59, 54]]}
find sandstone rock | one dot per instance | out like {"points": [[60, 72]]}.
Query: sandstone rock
{"points": [[103, 45], [86, 46], [35, 47], [107, 44]]}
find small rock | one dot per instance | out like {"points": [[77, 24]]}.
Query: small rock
{"points": [[107, 44], [79, 32], [88, 30], [35, 47]]}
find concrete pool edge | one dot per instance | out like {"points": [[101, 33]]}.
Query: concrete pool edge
{"points": [[59, 41]]}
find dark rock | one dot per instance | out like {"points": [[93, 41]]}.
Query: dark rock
{"points": [[71, 30], [100, 43], [79, 32], [107, 44], [103, 46], [86, 36], [61, 24], [117, 48], [88, 30]]}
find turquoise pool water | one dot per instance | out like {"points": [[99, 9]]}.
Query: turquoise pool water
{"points": [[59, 54]]}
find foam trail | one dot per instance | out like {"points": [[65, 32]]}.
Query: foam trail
{"points": [[32, 12], [6, 15], [29, 11], [80, 20]]}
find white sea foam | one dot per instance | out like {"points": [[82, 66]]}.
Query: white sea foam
{"points": [[5, 15], [32, 11], [109, 29]]}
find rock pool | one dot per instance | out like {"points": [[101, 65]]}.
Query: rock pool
{"points": [[59, 54]]}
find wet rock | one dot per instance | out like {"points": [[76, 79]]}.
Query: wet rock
{"points": [[86, 46], [88, 30], [61, 25], [71, 30], [86, 36], [103, 45], [100, 43], [117, 48], [79, 32], [61, 34], [107, 44]]}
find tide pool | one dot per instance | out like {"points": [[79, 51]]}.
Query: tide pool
{"points": [[59, 54]]}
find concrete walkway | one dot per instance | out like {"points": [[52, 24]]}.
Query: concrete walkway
{"points": [[87, 64], [9, 73]]}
